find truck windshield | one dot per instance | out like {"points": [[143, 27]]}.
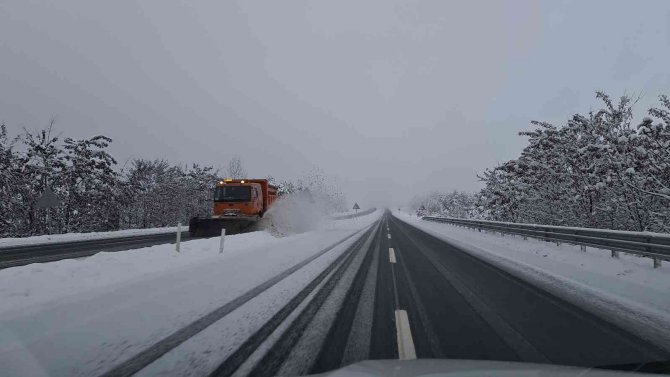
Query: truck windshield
{"points": [[232, 194]]}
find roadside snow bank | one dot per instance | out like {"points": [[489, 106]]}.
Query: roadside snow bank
{"points": [[107, 307], [37, 283], [40, 282], [352, 215], [55, 238], [627, 291], [354, 221], [345, 213]]}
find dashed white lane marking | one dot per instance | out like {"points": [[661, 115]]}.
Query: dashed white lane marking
{"points": [[406, 349], [389, 236], [391, 255]]}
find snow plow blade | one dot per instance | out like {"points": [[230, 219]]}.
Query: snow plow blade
{"points": [[211, 227]]}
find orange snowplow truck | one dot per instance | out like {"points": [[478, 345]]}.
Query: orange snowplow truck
{"points": [[238, 204]]}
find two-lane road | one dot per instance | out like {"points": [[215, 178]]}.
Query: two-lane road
{"points": [[462, 307], [405, 294]]}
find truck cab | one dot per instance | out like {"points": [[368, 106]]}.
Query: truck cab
{"points": [[238, 199], [238, 204]]}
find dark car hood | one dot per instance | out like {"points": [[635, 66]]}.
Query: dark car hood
{"points": [[470, 368]]}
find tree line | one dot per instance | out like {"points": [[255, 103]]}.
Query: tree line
{"points": [[598, 170], [93, 194], [96, 195]]}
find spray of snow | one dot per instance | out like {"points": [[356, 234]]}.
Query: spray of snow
{"points": [[296, 213]]}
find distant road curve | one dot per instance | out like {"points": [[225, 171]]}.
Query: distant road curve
{"points": [[351, 216]]}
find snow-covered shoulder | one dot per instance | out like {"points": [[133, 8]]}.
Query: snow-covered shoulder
{"points": [[67, 237], [124, 301], [43, 282], [627, 290], [354, 222]]}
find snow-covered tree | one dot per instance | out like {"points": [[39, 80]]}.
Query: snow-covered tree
{"points": [[235, 169], [452, 204], [11, 182], [41, 164], [317, 185], [596, 171], [158, 194], [90, 186]]}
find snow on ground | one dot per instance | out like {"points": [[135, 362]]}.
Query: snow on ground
{"points": [[83, 316], [67, 237], [193, 357], [339, 224], [37, 283], [349, 212], [629, 291], [345, 213]]}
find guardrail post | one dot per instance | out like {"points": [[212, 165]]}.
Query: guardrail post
{"points": [[223, 239], [178, 236], [615, 254], [657, 260]]}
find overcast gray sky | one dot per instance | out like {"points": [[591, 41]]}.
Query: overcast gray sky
{"points": [[391, 98]]}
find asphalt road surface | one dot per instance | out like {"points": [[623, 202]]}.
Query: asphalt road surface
{"points": [[400, 293]]}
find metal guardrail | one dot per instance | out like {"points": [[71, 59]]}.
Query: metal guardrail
{"points": [[19, 255], [651, 245]]}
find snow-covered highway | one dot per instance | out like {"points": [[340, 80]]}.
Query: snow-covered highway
{"points": [[110, 306], [382, 286]]}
